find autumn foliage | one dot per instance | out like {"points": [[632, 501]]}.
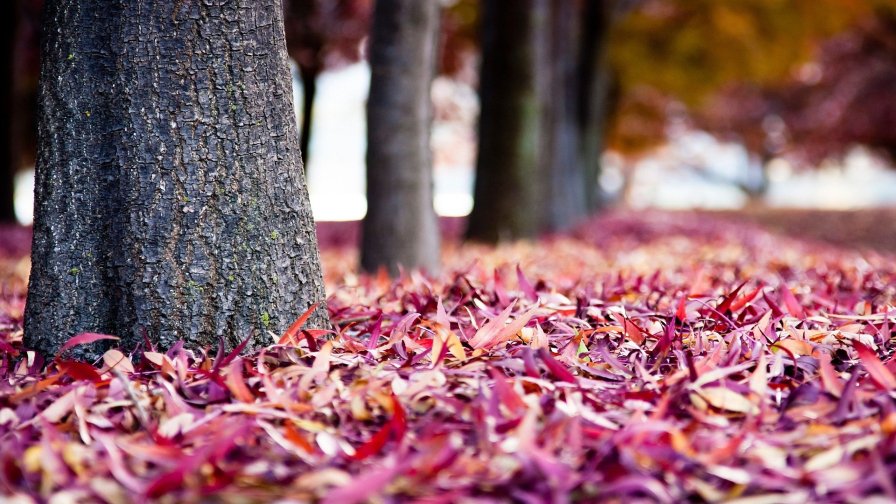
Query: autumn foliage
{"points": [[660, 358]]}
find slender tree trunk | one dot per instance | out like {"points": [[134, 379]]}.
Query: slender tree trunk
{"points": [[401, 227], [170, 201], [305, 42], [594, 95], [507, 198], [8, 164], [26, 72], [309, 92]]}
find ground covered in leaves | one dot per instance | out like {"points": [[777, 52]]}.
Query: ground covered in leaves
{"points": [[644, 358]]}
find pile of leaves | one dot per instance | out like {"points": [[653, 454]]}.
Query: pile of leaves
{"points": [[640, 359]]}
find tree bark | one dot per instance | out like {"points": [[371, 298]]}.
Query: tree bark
{"points": [[543, 93], [507, 190], [305, 42], [170, 200], [595, 82], [401, 227], [8, 164], [563, 178]]}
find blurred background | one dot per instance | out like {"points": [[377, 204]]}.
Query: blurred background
{"points": [[751, 105]]}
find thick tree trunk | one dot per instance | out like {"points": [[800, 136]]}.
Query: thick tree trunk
{"points": [[170, 200], [401, 226], [563, 181], [8, 164], [543, 93], [507, 191]]}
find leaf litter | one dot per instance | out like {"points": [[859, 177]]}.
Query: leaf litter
{"points": [[638, 359]]}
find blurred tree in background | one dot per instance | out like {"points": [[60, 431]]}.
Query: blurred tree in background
{"points": [[19, 55], [544, 93], [506, 192], [8, 165], [322, 34], [777, 77], [401, 227], [843, 96]]}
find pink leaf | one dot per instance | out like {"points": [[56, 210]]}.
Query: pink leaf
{"points": [[876, 369], [793, 306], [83, 339], [496, 332], [524, 284]]}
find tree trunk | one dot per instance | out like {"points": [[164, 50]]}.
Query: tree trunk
{"points": [[594, 95], [401, 227], [170, 200], [507, 197], [8, 164], [305, 42], [543, 93], [309, 92], [563, 178]]}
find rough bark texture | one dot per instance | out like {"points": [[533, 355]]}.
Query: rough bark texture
{"points": [[401, 226], [8, 165], [170, 200], [507, 190]]}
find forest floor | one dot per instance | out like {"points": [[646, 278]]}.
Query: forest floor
{"points": [[873, 229], [643, 357]]}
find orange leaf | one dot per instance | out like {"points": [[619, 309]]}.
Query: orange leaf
{"points": [[632, 331], [290, 336], [236, 384], [296, 438]]}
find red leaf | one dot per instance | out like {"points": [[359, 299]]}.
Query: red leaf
{"points": [[399, 420], [397, 425], [876, 369], [632, 331], [232, 355], [555, 367], [726, 303], [7, 348], [793, 306], [236, 384], [289, 337], [296, 438], [776, 310], [374, 445], [681, 312], [500, 293], [79, 371], [83, 339], [505, 392], [165, 483], [743, 301]]}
